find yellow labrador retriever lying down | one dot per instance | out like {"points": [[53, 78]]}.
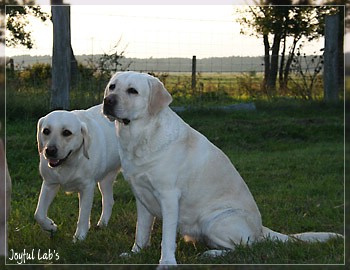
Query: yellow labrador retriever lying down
{"points": [[178, 175], [77, 150]]}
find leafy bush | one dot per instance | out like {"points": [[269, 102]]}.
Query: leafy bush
{"points": [[37, 74]]}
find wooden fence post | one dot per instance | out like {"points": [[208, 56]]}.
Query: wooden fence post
{"points": [[330, 73], [61, 58], [194, 67]]}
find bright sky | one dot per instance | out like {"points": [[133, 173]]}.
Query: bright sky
{"points": [[157, 31]]}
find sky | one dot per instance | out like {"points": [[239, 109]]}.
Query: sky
{"points": [[154, 31]]}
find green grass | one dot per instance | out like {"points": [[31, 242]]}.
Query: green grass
{"points": [[291, 154]]}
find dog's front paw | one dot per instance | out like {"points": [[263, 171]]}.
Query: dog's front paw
{"points": [[46, 224], [166, 262], [52, 227], [135, 249], [102, 223], [79, 236]]}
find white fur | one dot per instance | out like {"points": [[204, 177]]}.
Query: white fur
{"points": [[5, 198], [178, 175], [93, 158]]}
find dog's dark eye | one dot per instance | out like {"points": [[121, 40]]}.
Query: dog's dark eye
{"points": [[132, 91], [112, 86], [46, 131], [66, 133]]}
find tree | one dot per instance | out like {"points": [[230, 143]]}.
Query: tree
{"points": [[17, 14], [17, 34], [111, 62], [268, 20], [279, 24], [305, 22], [17, 21]]}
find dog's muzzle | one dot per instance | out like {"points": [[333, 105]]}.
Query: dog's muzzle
{"points": [[51, 156], [109, 104]]}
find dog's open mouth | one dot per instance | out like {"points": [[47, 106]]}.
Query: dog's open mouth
{"points": [[57, 162]]}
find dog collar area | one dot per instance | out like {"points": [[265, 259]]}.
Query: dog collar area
{"points": [[125, 121]]}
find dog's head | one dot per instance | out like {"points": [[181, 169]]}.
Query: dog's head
{"points": [[130, 96], [60, 134]]}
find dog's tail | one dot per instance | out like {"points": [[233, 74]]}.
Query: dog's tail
{"points": [[306, 237]]}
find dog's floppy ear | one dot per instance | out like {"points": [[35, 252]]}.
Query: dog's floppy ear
{"points": [[159, 97], [38, 134], [86, 139]]}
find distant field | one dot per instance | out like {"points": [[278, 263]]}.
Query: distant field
{"points": [[214, 64], [28, 92], [291, 154]]}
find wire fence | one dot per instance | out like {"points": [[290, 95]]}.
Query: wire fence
{"points": [[28, 90], [31, 83], [210, 82], [209, 32], [232, 64]]}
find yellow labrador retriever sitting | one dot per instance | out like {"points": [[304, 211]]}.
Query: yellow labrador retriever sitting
{"points": [[178, 175], [77, 149]]}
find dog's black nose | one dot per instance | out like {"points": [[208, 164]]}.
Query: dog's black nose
{"points": [[51, 151], [110, 101], [108, 104]]}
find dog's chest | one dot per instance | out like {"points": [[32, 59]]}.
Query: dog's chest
{"points": [[142, 147], [67, 179], [144, 191]]}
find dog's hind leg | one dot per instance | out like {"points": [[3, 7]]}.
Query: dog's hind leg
{"points": [[106, 189], [228, 229]]}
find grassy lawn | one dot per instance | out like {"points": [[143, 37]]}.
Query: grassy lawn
{"points": [[291, 154]]}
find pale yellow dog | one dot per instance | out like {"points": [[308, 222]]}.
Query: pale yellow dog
{"points": [[178, 175], [5, 198], [78, 149]]}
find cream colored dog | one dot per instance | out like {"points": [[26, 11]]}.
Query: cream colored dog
{"points": [[5, 198], [77, 149], [178, 175]]}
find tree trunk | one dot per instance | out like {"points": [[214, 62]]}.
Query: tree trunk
{"points": [[331, 83], [271, 82], [266, 61], [61, 58]]}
